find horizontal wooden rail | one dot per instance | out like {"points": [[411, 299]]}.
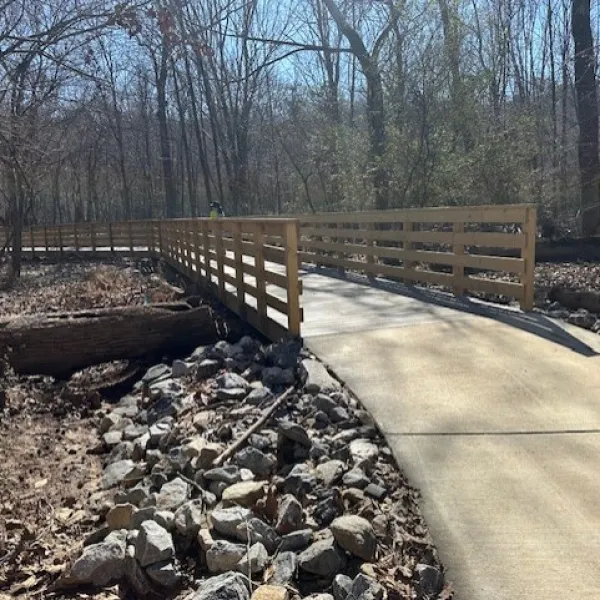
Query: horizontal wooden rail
{"points": [[431, 245]]}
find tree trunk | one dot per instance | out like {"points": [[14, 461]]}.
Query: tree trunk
{"points": [[587, 111], [60, 344]]}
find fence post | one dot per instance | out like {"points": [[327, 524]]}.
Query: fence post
{"points": [[32, 242], [206, 239], [259, 264], [371, 259], [46, 240], [93, 237], [458, 270], [220, 256], [75, 237], [238, 250], [160, 238], [528, 255], [60, 240], [130, 235], [111, 240], [407, 245], [187, 240], [197, 248], [293, 281]]}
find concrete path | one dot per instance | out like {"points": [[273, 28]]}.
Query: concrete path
{"points": [[493, 414]]}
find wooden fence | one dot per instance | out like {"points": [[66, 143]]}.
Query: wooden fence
{"points": [[440, 246], [251, 265]]}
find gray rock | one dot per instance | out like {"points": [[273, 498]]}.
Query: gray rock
{"points": [[317, 379], [188, 518], [224, 556], [117, 472], [154, 544], [290, 516], [172, 495], [322, 558], [165, 518], [254, 561], [259, 463], [217, 488], [231, 381], [226, 520], [164, 573], [158, 431], [100, 564], [110, 420], [365, 588], [375, 491], [230, 586], [431, 580], [135, 575], [258, 395], [245, 493], [156, 372], [138, 496], [356, 478], [132, 432], [276, 377], [294, 432], [180, 368], [300, 481], [141, 515], [320, 597], [283, 354], [120, 516], [342, 586], [296, 541], [202, 451], [122, 451], [331, 471], [207, 368], [355, 535], [229, 474], [284, 568], [112, 438], [255, 530], [582, 318], [139, 448], [363, 450]]}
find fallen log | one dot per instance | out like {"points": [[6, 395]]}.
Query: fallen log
{"points": [[60, 344], [576, 300]]}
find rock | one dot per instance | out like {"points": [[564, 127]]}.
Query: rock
{"points": [[283, 354], [131, 432], [355, 478], [230, 586], [300, 481], [203, 419], [254, 561], [229, 474], [290, 515], [331, 471], [255, 530], [172, 494], [582, 318], [139, 449], [274, 377], [259, 463], [188, 518], [207, 368], [138, 496], [226, 520], [322, 558], [245, 493], [342, 586], [112, 438], [317, 379], [165, 518], [109, 421], [154, 544], [355, 535], [120, 516], [135, 575], [205, 540], [122, 451], [164, 573], [235, 394], [365, 588], [117, 472], [223, 556], [231, 381], [100, 564], [270, 592], [320, 597], [156, 372], [294, 432], [180, 368], [258, 396], [431, 580], [363, 450], [329, 505], [141, 515], [375, 491], [284, 568], [158, 431], [296, 541]]}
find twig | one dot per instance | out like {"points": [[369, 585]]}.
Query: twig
{"points": [[261, 421]]}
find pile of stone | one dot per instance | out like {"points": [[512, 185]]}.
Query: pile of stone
{"points": [[310, 505]]}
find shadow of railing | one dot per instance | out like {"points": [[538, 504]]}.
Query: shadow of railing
{"points": [[534, 322]]}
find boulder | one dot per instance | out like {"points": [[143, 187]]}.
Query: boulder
{"points": [[322, 558], [316, 377], [172, 495], [254, 561], [355, 535], [154, 544], [229, 586], [245, 493], [224, 556], [163, 573], [226, 520]]}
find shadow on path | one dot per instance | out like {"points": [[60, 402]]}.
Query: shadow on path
{"points": [[534, 323]]}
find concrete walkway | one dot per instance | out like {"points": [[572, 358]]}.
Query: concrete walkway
{"points": [[493, 414]]}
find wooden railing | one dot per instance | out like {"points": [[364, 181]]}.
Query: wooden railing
{"points": [[251, 265], [440, 246]]}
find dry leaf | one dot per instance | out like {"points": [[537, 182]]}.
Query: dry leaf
{"points": [[40, 483]]}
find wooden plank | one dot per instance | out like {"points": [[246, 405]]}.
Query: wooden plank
{"points": [[239, 267], [111, 238], [528, 255], [293, 287], [46, 239], [93, 236], [206, 245], [261, 288], [32, 242], [220, 256], [495, 286], [130, 237], [458, 270], [75, 237], [60, 241]]}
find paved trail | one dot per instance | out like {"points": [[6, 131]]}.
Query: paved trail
{"points": [[495, 415]]}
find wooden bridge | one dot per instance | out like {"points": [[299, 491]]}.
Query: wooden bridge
{"points": [[493, 411]]}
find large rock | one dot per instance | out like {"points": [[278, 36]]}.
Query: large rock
{"points": [[117, 472], [245, 493], [156, 373], [323, 558], [294, 432], [120, 516], [258, 462], [202, 451], [254, 561], [363, 450], [431, 580], [290, 516], [230, 586], [163, 573], [284, 568], [224, 556], [296, 541], [365, 588], [342, 586], [100, 564], [153, 544], [274, 377], [188, 518], [172, 495], [255, 530], [283, 354], [355, 535], [317, 379], [331, 471], [270, 592], [207, 368], [300, 481], [232, 381], [226, 520]]}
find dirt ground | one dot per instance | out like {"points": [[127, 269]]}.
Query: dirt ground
{"points": [[48, 470]]}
